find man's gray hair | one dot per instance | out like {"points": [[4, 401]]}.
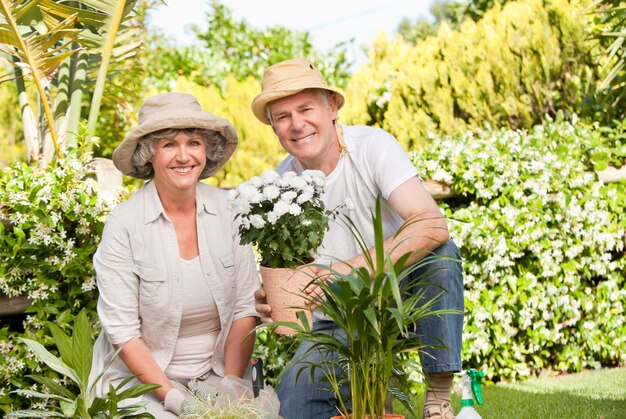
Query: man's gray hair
{"points": [[214, 143]]}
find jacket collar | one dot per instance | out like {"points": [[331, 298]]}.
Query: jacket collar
{"points": [[154, 208]]}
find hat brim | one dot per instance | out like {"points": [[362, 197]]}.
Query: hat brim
{"points": [[122, 156], [262, 99]]}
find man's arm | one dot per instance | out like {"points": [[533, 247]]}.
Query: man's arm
{"points": [[426, 230]]}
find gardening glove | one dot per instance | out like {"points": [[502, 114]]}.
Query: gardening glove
{"points": [[174, 400], [202, 390], [180, 403]]}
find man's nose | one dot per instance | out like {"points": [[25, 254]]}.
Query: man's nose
{"points": [[298, 121]]}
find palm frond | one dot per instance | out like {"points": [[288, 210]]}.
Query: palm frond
{"points": [[38, 50]]}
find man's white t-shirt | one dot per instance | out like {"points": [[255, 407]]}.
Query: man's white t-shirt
{"points": [[375, 164]]}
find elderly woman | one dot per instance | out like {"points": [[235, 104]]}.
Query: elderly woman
{"points": [[176, 287]]}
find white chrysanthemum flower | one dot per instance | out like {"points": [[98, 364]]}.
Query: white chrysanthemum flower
{"points": [[270, 176], [248, 192], [257, 221], [272, 217], [259, 197], [288, 196], [282, 183], [281, 208], [313, 174], [271, 192], [297, 183], [256, 181], [295, 209], [289, 174], [241, 207], [305, 197]]}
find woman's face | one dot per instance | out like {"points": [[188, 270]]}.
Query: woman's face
{"points": [[178, 162]]}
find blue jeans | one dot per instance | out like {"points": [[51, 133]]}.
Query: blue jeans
{"points": [[303, 398]]}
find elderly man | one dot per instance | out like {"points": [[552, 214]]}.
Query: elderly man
{"points": [[360, 163]]}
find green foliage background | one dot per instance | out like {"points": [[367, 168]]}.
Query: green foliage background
{"points": [[52, 219], [518, 63], [12, 140]]}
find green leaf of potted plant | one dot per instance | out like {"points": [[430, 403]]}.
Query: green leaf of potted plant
{"points": [[75, 364], [376, 308]]}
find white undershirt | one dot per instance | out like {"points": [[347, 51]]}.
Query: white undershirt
{"points": [[199, 327]]}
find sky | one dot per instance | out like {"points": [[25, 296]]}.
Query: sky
{"points": [[328, 21]]}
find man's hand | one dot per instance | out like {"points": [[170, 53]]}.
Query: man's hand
{"points": [[314, 292], [264, 309]]}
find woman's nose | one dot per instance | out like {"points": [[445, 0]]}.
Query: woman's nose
{"points": [[183, 153]]}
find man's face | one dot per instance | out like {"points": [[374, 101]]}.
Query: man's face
{"points": [[305, 129]]}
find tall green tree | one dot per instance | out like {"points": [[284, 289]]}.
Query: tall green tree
{"points": [[231, 47]]}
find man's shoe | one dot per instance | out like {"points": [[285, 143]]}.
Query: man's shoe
{"points": [[442, 411]]}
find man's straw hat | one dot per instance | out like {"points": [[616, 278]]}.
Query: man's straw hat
{"points": [[288, 78]]}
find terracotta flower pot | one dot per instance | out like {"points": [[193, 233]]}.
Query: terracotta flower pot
{"points": [[284, 289]]}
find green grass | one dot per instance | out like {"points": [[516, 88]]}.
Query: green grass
{"points": [[597, 394]]}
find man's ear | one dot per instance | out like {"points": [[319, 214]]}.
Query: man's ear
{"points": [[332, 104]]}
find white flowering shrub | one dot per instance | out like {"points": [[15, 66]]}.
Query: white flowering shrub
{"points": [[52, 220], [282, 216], [543, 247]]}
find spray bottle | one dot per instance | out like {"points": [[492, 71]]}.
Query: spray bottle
{"points": [[470, 389]]}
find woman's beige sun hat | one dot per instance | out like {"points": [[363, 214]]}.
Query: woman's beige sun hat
{"points": [[288, 78], [173, 110]]}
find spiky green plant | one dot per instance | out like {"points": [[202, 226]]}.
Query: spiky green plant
{"points": [[375, 308]]}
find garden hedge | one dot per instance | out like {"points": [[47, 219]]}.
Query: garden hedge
{"points": [[543, 243], [520, 62]]}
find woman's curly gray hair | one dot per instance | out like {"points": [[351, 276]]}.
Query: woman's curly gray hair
{"points": [[214, 143]]}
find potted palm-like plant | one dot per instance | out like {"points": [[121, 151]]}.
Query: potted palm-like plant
{"points": [[376, 308], [285, 219]]}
